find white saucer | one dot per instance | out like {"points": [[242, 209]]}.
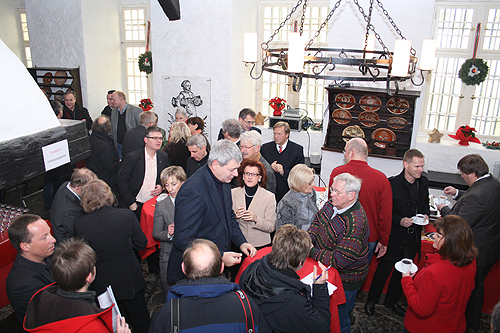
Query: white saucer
{"points": [[447, 203], [426, 221], [413, 269]]}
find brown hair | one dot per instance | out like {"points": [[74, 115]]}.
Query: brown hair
{"points": [[71, 263], [196, 121], [18, 230], [411, 153], [196, 268], [283, 124], [81, 176], [249, 162], [173, 171], [473, 163], [290, 247], [95, 195], [458, 245]]}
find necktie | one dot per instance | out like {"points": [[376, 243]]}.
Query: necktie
{"points": [[281, 149]]}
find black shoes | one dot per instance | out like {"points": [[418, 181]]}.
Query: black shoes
{"points": [[396, 308], [370, 308]]}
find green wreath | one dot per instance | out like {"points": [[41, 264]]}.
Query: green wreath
{"points": [[146, 62], [473, 71]]}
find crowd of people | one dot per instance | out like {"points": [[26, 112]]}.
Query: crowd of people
{"points": [[218, 204]]}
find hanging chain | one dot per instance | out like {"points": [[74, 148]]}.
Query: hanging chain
{"points": [[368, 27], [325, 22], [386, 13], [303, 17], [371, 27], [265, 45]]}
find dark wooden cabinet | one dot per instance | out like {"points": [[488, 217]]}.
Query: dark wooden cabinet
{"points": [[384, 121], [54, 82]]}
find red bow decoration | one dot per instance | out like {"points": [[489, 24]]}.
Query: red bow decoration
{"points": [[278, 104], [146, 104], [465, 134]]}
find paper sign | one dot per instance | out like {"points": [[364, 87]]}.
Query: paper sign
{"points": [[308, 279], [56, 154]]}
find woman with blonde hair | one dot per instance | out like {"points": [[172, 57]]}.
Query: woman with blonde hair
{"points": [[298, 205], [172, 179], [176, 148]]}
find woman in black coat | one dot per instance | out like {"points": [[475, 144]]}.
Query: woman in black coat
{"points": [[176, 148], [114, 234]]}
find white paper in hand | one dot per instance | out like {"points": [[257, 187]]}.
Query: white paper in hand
{"points": [[106, 299], [308, 279]]}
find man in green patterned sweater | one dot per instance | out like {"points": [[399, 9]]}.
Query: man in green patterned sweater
{"points": [[340, 235]]}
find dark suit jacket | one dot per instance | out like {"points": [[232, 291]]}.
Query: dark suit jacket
{"points": [[131, 174], [133, 139], [290, 157], [221, 135], [403, 244], [106, 111], [198, 214], [79, 113], [114, 234], [66, 209], [132, 114], [104, 160], [480, 208]]}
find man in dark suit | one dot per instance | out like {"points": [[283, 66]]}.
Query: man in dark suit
{"points": [[480, 207], [134, 138], [203, 209], [139, 176], [103, 160], [66, 206], [246, 117], [283, 155], [107, 109], [72, 110], [124, 117]]}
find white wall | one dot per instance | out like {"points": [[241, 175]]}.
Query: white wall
{"points": [[9, 27]]}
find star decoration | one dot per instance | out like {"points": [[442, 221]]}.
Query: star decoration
{"points": [[435, 136], [259, 119]]}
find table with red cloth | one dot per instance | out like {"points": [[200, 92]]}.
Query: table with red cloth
{"points": [[491, 290], [337, 298], [147, 223]]}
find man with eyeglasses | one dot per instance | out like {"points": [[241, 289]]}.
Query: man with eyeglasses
{"points": [[250, 143], [283, 155], [246, 118], [410, 196], [340, 234], [139, 176]]}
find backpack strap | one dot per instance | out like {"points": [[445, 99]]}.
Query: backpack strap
{"points": [[247, 309], [174, 315]]}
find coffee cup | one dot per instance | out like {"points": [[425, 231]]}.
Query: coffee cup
{"points": [[406, 265], [442, 199], [419, 218]]}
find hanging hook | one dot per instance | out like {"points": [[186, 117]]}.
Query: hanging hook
{"points": [[252, 69], [297, 82]]}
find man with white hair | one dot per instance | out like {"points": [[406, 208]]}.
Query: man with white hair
{"points": [[340, 233], [250, 143], [181, 115], [197, 146], [203, 209]]}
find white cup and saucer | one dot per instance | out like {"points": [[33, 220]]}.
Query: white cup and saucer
{"points": [[406, 265], [442, 199], [420, 219]]}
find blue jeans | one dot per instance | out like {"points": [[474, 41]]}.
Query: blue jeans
{"points": [[344, 309], [371, 249], [119, 150]]}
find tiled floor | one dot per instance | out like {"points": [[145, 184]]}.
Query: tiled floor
{"points": [[384, 321]]}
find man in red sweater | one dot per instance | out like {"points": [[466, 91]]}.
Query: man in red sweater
{"points": [[375, 195]]}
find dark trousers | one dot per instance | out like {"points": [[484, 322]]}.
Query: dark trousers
{"points": [[394, 291], [136, 312], [475, 304]]}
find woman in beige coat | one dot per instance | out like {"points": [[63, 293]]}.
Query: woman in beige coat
{"points": [[254, 206]]}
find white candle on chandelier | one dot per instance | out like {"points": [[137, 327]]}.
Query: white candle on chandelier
{"points": [[370, 45], [250, 47], [296, 45], [401, 58], [428, 55]]}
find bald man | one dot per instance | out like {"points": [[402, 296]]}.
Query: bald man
{"points": [[375, 195], [208, 299], [104, 160]]}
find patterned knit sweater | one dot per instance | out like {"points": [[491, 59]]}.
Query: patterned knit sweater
{"points": [[342, 241]]}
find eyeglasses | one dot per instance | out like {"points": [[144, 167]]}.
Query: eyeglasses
{"points": [[243, 147], [249, 122], [155, 137], [248, 174], [336, 192]]}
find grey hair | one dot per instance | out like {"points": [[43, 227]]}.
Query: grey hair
{"points": [[223, 151], [251, 136], [181, 110], [147, 117], [232, 127], [352, 183], [197, 140]]}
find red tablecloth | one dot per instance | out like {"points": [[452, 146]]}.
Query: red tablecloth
{"points": [[337, 298], [491, 290], [147, 223]]}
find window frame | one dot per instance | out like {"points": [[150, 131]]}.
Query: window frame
{"points": [[25, 44]]}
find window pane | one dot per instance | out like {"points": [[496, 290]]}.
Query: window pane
{"points": [[136, 80], [134, 24], [454, 28], [486, 106], [492, 31]]}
